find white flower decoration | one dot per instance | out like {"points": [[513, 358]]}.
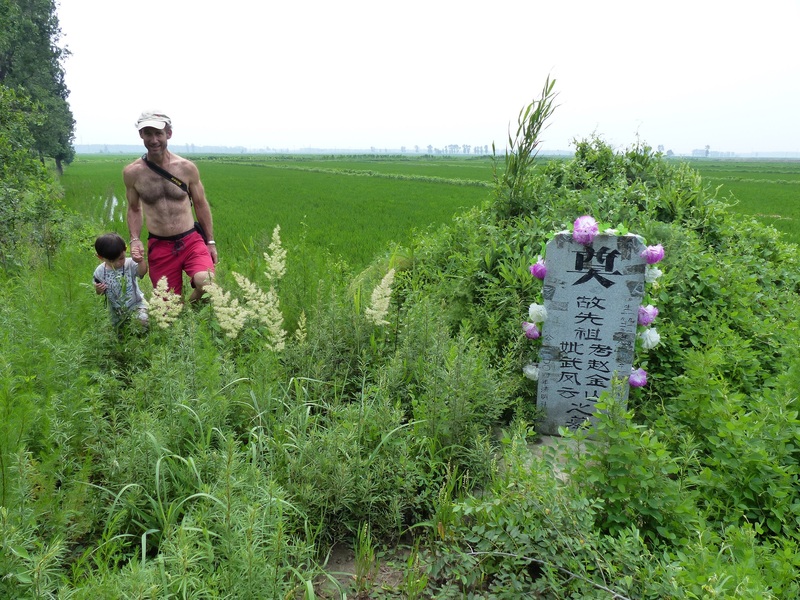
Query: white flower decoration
{"points": [[650, 338], [651, 273], [537, 313], [531, 371]]}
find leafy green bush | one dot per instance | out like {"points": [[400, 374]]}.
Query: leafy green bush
{"points": [[629, 471], [741, 449], [534, 532], [711, 441]]}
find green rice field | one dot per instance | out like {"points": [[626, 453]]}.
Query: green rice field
{"points": [[767, 190], [355, 208]]}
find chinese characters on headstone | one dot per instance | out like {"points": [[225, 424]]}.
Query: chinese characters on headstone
{"points": [[592, 295]]}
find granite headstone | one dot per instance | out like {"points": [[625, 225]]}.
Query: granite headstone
{"points": [[592, 294]]}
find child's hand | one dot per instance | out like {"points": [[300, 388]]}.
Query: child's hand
{"points": [[99, 288]]}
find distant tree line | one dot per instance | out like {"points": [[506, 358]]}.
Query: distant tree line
{"points": [[448, 149], [32, 85]]}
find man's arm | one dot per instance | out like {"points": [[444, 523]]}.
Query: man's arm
{"points": [[135, 218], [202, 210]]}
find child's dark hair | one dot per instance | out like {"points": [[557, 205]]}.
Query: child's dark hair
{"points": [[110, 245]]}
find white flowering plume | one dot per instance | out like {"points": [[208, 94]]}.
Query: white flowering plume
{"points": [[275, 258], [165, 305], [379, 302], [272, 317], [300, 333], [256, 305], [230, 314], [265, 308]]}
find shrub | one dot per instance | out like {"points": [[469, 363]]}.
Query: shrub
{"points": [[631, 474]]}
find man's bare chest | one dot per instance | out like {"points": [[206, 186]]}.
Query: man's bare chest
{"points": [[155, 189]]}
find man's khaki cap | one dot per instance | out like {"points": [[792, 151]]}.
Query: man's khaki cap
{"points": [[153, 118]]}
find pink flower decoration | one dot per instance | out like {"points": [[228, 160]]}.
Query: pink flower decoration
{"points": [[638, 378], [584, 230], [647, 314], [538, 269], [652, 254], [531, 330]]}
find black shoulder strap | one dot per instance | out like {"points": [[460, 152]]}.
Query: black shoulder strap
{"points": [[167, 175]]}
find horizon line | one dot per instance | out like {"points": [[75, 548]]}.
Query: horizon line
{"points": [[694, 153]]}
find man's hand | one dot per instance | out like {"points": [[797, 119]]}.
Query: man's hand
{"points": [[137, 250]]}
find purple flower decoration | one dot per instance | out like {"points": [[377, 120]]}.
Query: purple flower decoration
{"points": [[647, 314], [538, 269], [638, 378], [584, 230], [531, 330], [652, 254]]}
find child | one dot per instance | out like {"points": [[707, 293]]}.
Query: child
{"points": [[116, 278]]}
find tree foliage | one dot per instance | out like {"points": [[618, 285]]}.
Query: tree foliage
{"points": [[30, 64], [31, 219]]}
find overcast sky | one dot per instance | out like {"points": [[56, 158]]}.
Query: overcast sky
{"points": [[292, 74]]}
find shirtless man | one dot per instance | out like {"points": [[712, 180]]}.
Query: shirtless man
{"points": [[174, 245]]}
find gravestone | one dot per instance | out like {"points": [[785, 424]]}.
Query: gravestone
{"points": [[592, 295]]}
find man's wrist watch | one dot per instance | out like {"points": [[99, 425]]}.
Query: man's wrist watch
{"points": [[211, 243]]}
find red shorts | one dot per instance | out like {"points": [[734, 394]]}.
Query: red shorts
{"points": [[171, 256]]}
